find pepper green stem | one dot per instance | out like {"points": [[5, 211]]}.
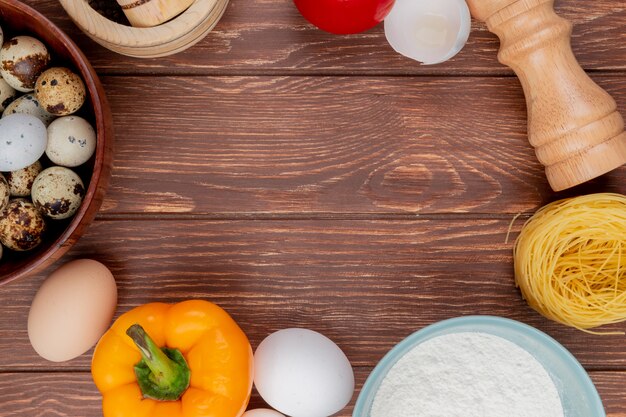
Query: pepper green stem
{"points": [[162, 374]]}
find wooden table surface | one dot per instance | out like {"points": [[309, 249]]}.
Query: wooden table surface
{"points": [[302, 179]]}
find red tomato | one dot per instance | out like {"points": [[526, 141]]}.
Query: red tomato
{"points": [[344, 16]]}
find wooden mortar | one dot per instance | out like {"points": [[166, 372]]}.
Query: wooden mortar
{"points": [[572, 122]]}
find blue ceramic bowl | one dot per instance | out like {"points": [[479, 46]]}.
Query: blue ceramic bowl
{"points": [[578, 394]]}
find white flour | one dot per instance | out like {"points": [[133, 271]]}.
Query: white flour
{"points": [[467, 375]]}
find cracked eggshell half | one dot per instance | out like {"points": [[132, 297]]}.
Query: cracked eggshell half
{"points": [[428, 31]]}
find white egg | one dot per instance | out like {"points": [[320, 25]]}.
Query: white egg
{"points": [[23, 139], [302, 373], [262, 412], [428, 31]]}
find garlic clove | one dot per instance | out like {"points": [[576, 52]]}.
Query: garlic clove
{"points": [[428, 31]]}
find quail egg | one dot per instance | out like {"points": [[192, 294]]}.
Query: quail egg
{"points": [[23, 59], [22, 225], [4, 193], [28, 104], [23, 139], [7, 94], [58, 192], [60, 91], [21, 181], [71, 141]]}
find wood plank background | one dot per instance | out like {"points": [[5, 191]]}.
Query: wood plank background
{"points": [[301, 179]]}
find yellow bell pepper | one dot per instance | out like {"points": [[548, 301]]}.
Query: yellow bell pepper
{"points": [[204, 368]]}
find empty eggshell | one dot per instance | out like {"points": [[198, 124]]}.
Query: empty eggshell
{"points": [[302, 373], [71, 141], [262, 412], [58, 192], [21, 181], [72, 310], [23, 59], [28, 104], [7, 94], [5, 193], [23, 139], [428, 31], [21, 225], [60, 91]]}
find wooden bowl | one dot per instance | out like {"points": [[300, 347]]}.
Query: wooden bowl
{"points": [[19, 19], [168, 38]]}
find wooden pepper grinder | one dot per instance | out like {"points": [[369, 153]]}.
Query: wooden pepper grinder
{"points": [[572, 122]]}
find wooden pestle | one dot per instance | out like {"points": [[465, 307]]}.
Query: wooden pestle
{"points": [[572, 122], [148, 13]]}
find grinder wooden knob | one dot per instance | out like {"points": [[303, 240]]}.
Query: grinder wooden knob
{"points": [[572, 122]]}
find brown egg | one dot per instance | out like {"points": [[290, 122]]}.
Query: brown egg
{"points": [[5, 192], [58, 192], [21, 181], [22, 60], [60, 91], [21, 225], [72, 309]]}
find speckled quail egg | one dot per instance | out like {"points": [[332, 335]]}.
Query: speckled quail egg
{"points": [[4, 193], [58, 192], [28, 104], [23, 59], [7, 94], [60, 91], [21, 181], [22, 225], [71, 141], [23, 139]]}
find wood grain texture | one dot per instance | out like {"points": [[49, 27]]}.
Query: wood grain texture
{"points": [[304, 179], [365, 284], [328, 145], [270, 37], [74, 394]]}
